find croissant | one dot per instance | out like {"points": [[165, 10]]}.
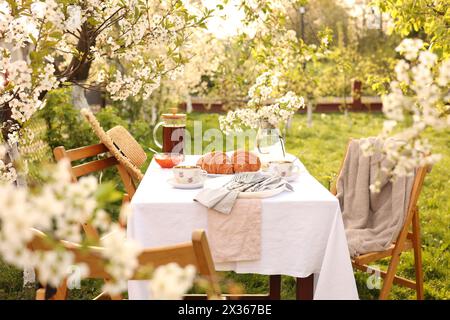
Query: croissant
{"points": [[216, 163], [245, 161]]}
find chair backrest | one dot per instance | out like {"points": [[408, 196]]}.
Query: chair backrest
{"points": [[416, 188], [419, 178], [333, 188], [94, 165], [195, 252]]}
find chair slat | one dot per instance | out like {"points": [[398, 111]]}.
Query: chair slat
{"points": [[93, 166], [96, 165], [182, 254], [373, 256], [189, 253], [205, 263], [86, 152], [397, 280]]}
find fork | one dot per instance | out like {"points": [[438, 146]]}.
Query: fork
{"points": [[241, 179]]}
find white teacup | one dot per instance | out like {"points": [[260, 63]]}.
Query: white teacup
{"points": [[188, 174], [283, 168]]}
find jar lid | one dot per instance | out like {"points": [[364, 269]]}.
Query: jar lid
{"points": [[173, 115]]}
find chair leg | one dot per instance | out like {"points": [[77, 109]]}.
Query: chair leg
{"points": [[390, 275], [91, 232], [127, 180], [275, 287], [40, 294], [62, 292], [52, 293], [122, 216], [417, 256]]}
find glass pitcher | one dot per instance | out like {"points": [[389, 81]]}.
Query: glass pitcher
{"points": [[174, 126], [269, 143]]}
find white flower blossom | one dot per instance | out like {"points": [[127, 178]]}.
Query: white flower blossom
{"points": [[444, 73], [121, 254], [170, 282], [75, 18], [38, 9], [266, 87], [401, 70], [410, 48], [59, 209], [427, 58], [8, 173], [414, 100]]}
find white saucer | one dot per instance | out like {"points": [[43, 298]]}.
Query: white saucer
{"points": [[174, 184], [218, 175], [292, 177]]}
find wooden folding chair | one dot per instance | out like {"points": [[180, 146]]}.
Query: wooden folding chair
{"points": [[406, 240], [195, 252], [94, 166]]}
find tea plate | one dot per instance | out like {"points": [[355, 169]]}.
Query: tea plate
{"points": [[219, 175]]}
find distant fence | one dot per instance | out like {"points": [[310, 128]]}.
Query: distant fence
{"points": [[354, 103], [321, 105]]}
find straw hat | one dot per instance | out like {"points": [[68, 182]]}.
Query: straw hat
{"points": [[120, 143]]}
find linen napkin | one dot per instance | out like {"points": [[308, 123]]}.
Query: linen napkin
{"points": [[236, 236], [222, 199]]}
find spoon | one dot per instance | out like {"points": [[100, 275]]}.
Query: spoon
{"points": [[153, 150]]}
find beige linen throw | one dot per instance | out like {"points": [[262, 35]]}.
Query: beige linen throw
{"points": [[236, 236], [372, 220]]}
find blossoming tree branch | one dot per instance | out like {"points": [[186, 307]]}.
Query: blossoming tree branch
{"points": [[121, 47]]}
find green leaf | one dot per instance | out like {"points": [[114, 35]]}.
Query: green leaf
{"points": [[107, 193]]}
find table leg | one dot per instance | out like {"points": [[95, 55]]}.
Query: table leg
{"points": [[275, 287], [305, 288]]}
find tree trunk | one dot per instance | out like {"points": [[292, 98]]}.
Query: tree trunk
{"points": [[154, 114], [309, 112], [188, 104], [79, 98]]}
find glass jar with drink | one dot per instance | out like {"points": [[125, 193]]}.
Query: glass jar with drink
{"points": [[173, 133]]}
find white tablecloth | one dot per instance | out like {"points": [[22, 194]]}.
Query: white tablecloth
{"points": [[302, 232]]}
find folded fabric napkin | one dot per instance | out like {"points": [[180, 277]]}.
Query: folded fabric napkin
{"points": [[223, 199], [236, 236]]}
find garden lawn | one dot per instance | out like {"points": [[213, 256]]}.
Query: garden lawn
{"points": [[321, 148]]}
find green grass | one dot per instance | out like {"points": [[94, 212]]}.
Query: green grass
{"points": [[321, 149]]}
